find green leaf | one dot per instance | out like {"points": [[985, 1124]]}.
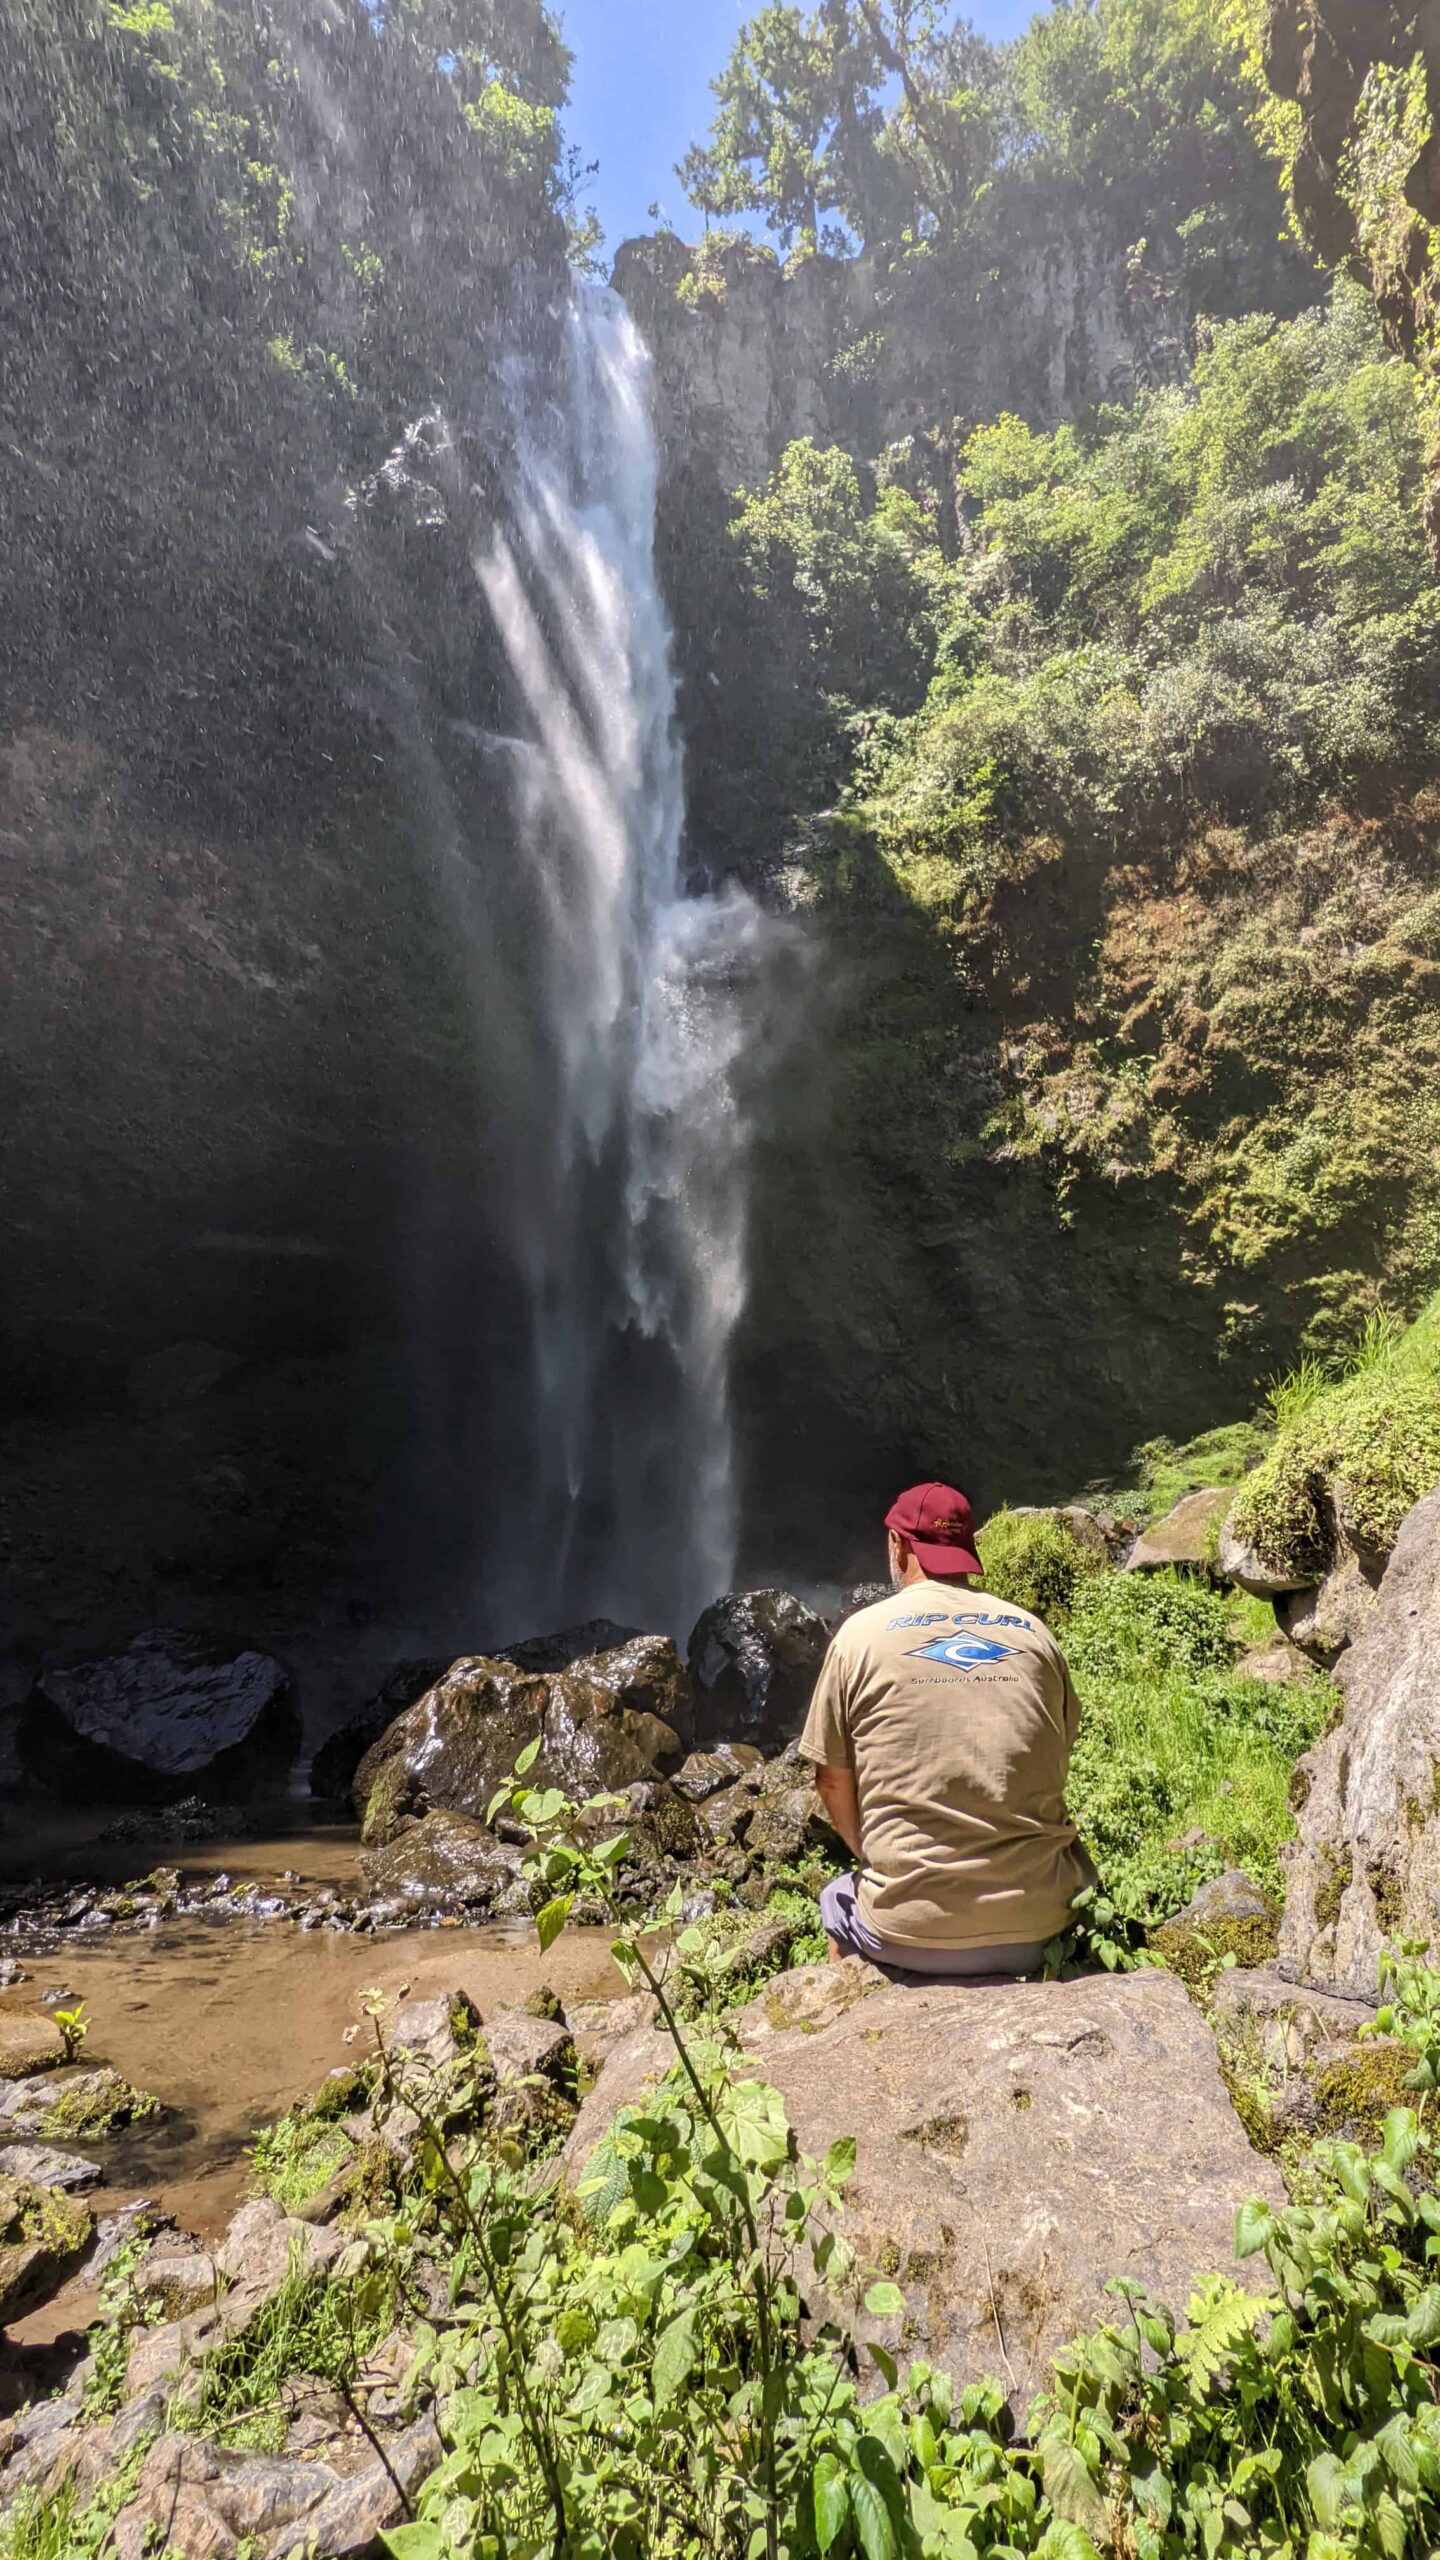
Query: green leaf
{"points": [[675, 2351], [1329, 2487], [501, 1796], [1071, 2491], [550, 1921], [528, 1757], [884, 2299], [414, 2542], [832, 2499], [874, 2500], [840, 2160], [1254, 2223]]}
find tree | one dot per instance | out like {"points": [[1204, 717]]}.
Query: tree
{"points": [[798, 125]]}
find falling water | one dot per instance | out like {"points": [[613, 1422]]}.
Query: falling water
{"points": [[630, 1221]]}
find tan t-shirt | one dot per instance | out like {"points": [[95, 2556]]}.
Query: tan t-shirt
{"points": [[957, 1714]]}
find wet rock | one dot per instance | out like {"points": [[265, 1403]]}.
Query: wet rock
{"points": [[37, 2165], [447, 1857], [1186, 1538], [457, 1746], [332, 1771], [1018, 2146], [190, 1821], [645, 1675], [1365, 1867], [1323, 1620], [860, 1595], [29, 2042], [571, 1645], [755, 1657], [145, 1724], [706, 1772], [43, 2237]]}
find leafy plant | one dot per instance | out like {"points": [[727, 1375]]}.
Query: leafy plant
{"points": [[1410, 2010], [74, 2027]]}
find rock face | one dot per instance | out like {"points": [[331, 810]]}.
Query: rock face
{"points": [[1366, 1865], [1018, 2146], [754, 1657], [145, 1725], [457, 1745], [1327, 1617], [1186, 1537], [332, 1771], [447, 1858]]}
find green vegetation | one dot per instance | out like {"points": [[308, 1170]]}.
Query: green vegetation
{"points": [[67, 2526], [1035, 1560], [1173, 1741], [1354, 1451], [320, 2326]]}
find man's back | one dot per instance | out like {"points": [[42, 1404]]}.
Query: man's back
{"points": [[957, 1715]]}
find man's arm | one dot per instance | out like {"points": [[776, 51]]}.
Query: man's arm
{"points": [[841, 1799]]}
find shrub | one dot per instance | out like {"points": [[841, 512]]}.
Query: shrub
{"points": [[1363, 1449], [1035, 1561]]}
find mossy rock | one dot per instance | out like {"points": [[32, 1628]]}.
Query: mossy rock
{"points": [[1354, 2094], [1197, 1952], [90, 2105], [1350, 1466], [1037, 1559], [43, 2237]]}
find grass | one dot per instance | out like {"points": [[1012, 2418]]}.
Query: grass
{"points": [[1165, 1471], [1174, 1740], [66, 2526], [316, 2326], [1361, 1447]]}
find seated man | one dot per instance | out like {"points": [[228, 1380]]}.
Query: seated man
{"points": [[941, 1729]]}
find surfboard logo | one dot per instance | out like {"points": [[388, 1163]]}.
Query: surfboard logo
{"points": [[962, 1653]]}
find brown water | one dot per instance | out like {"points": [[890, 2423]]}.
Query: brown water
{"points": [[228, 2021]]}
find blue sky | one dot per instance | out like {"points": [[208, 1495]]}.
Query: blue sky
{"points": [[641, 93]]}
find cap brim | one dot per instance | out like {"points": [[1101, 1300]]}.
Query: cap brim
{"points": [[936, 1557]]}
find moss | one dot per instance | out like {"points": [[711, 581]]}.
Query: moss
{"points": [[1197, 1952], [299, 2157], [1366, 1446], [948, 2133], [1330, 1892], [544, 2003], [1035, 1561], [90, 2110], [1354, 2096], [383, 1804], [1388, 1893]]}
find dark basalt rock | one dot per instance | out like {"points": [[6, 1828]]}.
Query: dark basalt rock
{"points": [[754, 1658], [143, 1726], [455, 1748], [333, 1768], [571, 1645], [447, 1858]]}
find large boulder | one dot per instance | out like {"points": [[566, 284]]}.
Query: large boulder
{"points": [[1187, 1537], [332, 1771], [146, 1725], [755, 1657], [1365, 1867], [1328, 1616], [1018, 2146], [454, 1749]]}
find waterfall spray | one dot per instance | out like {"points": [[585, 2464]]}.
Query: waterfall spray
{"points": [[630, 1228]]}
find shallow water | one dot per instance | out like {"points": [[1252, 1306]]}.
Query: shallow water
{"points": [[228, 2021]]}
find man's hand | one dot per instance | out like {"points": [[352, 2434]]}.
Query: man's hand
{"points": [[841, 1800]]}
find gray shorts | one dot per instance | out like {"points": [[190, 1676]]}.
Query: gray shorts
{"points": [[853, 1935]]}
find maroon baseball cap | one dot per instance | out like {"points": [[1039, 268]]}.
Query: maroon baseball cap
{"points": [[936, 1521]]}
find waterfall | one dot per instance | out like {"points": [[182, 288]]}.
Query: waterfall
{"points": [[628, 1209]]}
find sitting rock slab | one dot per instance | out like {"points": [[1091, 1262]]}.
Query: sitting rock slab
{"points": [[448, 1858], [142, 1727], [72, 2105], [1365, 1867], [30, 2041], [1186, 1539], [1018, 2145]]}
